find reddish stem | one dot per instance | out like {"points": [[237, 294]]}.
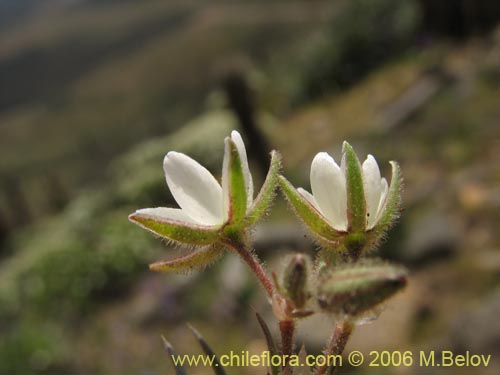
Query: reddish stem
{"points": [[337, 344], [254, 264], [287, 328]]}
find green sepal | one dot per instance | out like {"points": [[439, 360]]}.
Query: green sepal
{"points": [[196, 259], [356, 203], [392, 207], [184, 233], [354, 243], [311, 217], [217, 367], [266, 194], [358, 288], [236, 184]]}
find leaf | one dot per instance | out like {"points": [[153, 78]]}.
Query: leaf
{"points": [[266, 194], [275, 370], [186, 233], [356, 203], [216, 365], [309, 215], [196, 259], [179, 370]]}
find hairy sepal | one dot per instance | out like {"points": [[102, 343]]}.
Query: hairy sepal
{"points": [[310, 216], [356, 203], [392, 208], [177, 231], [237, 187], [197, 259], [266, 194]]}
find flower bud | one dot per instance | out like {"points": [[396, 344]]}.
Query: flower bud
{"points": [[295, 281], [359, 288]]}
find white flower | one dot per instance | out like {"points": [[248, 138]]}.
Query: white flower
{"points": [[351, 205], [329, 190], [202, 200], [212, 216]]}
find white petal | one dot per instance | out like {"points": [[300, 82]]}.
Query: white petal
{"points": [[238, 141], [308, 196], [329, 189], [167, 213], [383, 201], [373, 188], [342, 160], [194, 188], [226, 194]]}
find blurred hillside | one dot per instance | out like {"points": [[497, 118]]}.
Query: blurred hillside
{"points": [[75, 75], [94, 93]]}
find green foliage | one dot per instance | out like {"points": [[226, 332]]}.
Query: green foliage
{"points": [[33, 348], [67, 265], [84, 254], [363, 35], [71, 262]]}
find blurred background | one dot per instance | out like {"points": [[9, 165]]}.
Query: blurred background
{"points": [[93, 93]]}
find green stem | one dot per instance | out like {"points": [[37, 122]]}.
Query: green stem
{"points": [[337, 344]]}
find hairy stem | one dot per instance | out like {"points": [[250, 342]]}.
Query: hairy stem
{"points": [[287, 328], [337, 344], [253, 262]]}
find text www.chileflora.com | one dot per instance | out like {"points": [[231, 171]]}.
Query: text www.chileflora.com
{"points": [[245, 359], [355, 358]]}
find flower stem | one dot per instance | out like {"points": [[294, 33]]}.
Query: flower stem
{"points": [[287, 328], [337, 344], [253, 262]]}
